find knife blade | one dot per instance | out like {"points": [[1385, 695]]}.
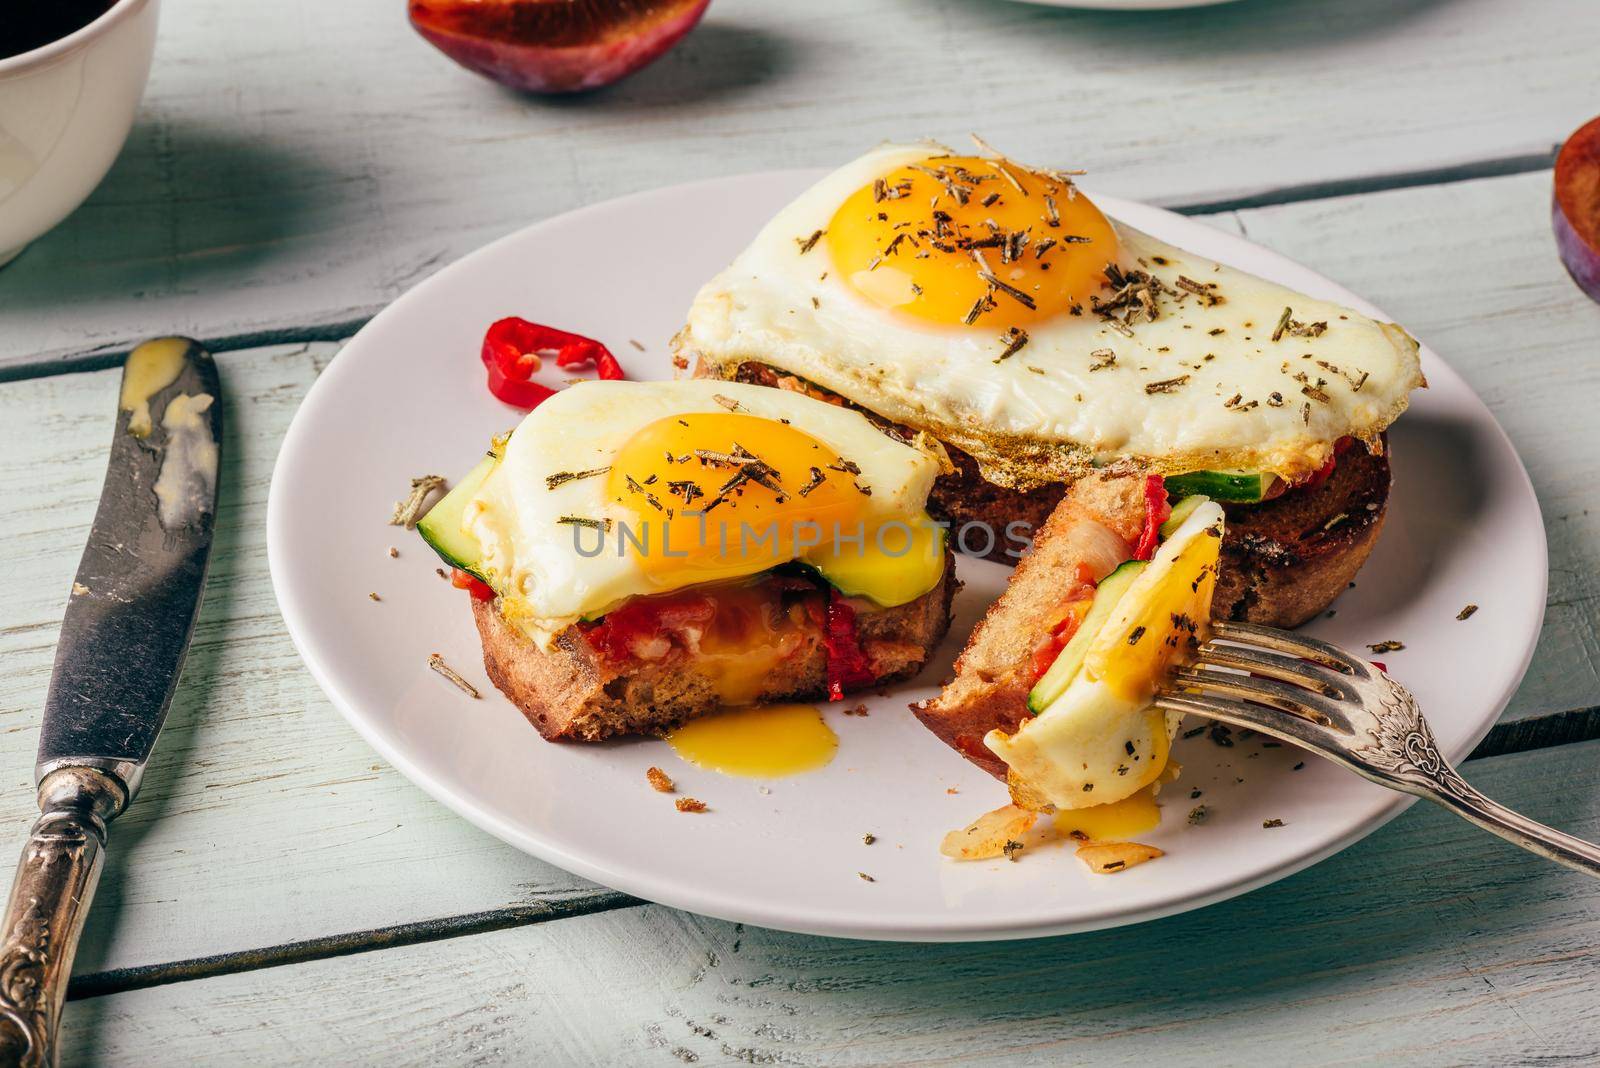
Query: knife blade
{"points": [[137, 591], [124, 635]]}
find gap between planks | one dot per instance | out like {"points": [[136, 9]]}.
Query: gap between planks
{"points": [[1556, 728], [339, 330], [118, 980]]}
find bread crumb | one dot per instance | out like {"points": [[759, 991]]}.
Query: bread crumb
{"points": [[393, 552], [660, 781], [690, 804], [951, 790]]}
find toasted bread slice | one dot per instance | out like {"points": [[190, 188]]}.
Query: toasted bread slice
{"points": [[1285, 560], [1282, 561], [583, 690]]}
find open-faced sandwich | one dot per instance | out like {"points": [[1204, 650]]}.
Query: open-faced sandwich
{"points": [[643, 553], [1054, 689], [994, 307]]}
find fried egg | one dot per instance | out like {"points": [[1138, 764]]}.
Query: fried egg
{"points": [[1102, 739], [611, 490], [997, 308]]}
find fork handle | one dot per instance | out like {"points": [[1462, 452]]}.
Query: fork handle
{"points": [[1455, 793]]}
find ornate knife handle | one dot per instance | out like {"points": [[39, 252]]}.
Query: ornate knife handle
{"points": [[49, 902]]}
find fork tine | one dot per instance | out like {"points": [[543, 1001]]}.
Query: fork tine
{"points": [[1285, 726], [1274, 666], [1319, 707], [1294, 645]]}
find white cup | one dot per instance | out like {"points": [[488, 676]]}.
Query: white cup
{"points": [[65, 111]]}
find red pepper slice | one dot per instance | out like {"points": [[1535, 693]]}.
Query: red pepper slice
{"points": [[510, 353], [521, 393], [643, 621], [1156, 512], [465, 580], [847, 664], [1048, 648]]}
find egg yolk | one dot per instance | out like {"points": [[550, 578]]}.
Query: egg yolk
{"points": [[721, 495], [959, 240]]}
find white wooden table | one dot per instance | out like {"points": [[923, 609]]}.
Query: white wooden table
{"points": [[279, 895]]}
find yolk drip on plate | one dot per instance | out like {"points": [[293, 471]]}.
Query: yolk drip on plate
{"points": [[1116, 822], [759, 742]]}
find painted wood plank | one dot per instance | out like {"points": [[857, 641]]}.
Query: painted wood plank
{"points": [[259, 775], [263, 818], [298, 164], [1429, 943]]}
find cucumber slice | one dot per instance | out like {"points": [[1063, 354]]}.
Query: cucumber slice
{"points": [[1054, 682], [1181, 511], [1222, 485], [441, 527]]}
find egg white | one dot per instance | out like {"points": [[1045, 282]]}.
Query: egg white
{"points": [[1043, 415], [546, 583]]}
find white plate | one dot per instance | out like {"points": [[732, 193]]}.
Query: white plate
{"points": [[406, 397]]}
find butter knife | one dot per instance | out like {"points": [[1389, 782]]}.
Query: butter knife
{"points": [[123, 639]]}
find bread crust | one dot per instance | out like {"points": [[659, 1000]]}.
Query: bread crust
{"points": [[574, 692], [1285, 560]]}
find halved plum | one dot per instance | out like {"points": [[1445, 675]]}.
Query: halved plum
{"points": [[555, 46], [1576, 211]]}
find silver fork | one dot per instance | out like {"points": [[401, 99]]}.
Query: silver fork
{"points": [[1342, 707]]}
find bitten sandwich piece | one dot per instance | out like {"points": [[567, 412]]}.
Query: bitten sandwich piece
{"points": [[1054, 690], [650, 552], [1095, 528]]}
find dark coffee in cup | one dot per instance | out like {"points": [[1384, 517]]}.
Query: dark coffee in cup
{"points": [[29, 24]]}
